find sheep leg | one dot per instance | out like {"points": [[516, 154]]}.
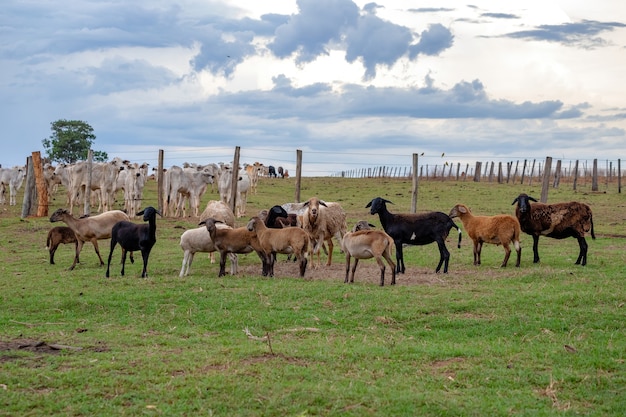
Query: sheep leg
{"points": [[381, 265], [356, 262], [186, 264], [444, 256], [79, 247], [222, 264], [330, 252], [478, 246], [113, 243], [535, 249], [346, 280], [518, 249], [400, 258], [145, 254], [303, 262], [582, 255], [507, 253], [53, 249], [95, 246], [123, 260], [392, 266]]}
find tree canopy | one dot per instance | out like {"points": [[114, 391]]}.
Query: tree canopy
{"points": [[71, 141]]}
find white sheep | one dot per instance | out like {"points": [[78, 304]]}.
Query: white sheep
{"points": [[323, 221], [199, 240], [501, 229], [364, 243], [238, 240], [90, 229], [289, 240]]}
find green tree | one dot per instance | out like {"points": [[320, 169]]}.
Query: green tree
{"points": [[70, 142]]}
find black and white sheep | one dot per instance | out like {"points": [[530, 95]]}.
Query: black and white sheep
{"points": [[501, 229], [135, 237], [364, 243], [415, 229], [558, 220]]}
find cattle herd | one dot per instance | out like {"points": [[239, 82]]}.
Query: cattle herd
{"points": [[302, 230]]}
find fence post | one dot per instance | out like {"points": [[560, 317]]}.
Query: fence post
{"points": [[575, 174], [594, 180], [160, 186], [557, 174], [477, 171], [414, 186], [298, 174], [619, 176], [545, 184]]}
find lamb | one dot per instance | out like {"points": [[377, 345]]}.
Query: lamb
{"points": [[558, 220], [415, 229], [133, 237], [277, 217], [501, 229], [58, 235], [238, 240], [90, 229], [291, 240], [199, 240], [323, 221], [364, 243]]}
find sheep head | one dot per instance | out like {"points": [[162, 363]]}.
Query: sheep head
{"points": [[377, 205], [459, 210], [523, 202], [313, 205], [362, 225]]}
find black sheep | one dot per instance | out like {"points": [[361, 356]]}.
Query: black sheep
{"points": [[415, 229], [558, 220], [134, 237], [277, 218]]}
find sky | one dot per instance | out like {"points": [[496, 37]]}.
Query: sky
{"points": [[352, 84]]}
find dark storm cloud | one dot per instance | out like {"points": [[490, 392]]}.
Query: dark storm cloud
{"points": [[581, 34]]}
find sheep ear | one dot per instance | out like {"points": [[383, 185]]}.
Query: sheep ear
{"points": [[515, 201], [371, 225], [140, 213], [387, 201], [322, 202], [202, 223], [369, 204], [462, 209], [533, 199]]}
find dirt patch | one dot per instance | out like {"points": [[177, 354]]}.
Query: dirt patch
{"points": [[39, 346]]}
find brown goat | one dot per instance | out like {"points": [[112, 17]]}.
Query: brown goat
{"points": [[558, 221], [58, 235], [363, 243]]}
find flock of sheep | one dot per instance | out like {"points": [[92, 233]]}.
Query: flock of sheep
{"points": [[304, 230]]}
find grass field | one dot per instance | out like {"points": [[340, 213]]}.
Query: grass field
{"points": [[541, 340]]}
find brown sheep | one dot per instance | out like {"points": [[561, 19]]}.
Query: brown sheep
{"points": [[58, 235], [501, 229], [558, 221], [364, 243]]}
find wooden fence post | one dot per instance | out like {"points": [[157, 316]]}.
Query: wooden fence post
{"points": [[414, 189], [594, 179], [545, 184], [298, 174], [159, 178]]}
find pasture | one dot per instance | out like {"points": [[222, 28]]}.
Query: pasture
{"points": [[540, 340]]}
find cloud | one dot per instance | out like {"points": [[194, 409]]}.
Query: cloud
{"points": [[582, 34]]}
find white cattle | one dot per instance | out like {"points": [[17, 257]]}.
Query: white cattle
{"points": [[225, 189], [12, 178], [103, 182], [254, 172], [185, 184]]}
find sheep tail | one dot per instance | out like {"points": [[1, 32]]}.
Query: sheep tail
{"points": [[460, 236], [593, 235]]}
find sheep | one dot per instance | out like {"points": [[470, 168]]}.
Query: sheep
{"points": [[133, 237], [238, 240], [415, 229], [323, 221], [291, 240], [90, 229], [364, 243], [277, 217], [501, 229], [220, 211], [558, 220], [199, 240], [58, 235]]}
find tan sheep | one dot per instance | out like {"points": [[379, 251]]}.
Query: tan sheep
{"points": [[238, 240], [364, 243], [501, 229], [290, 240], [199, 240], [90, 229], [323, 221]]}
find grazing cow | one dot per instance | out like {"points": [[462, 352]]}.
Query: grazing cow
{"points": [[271, 171], [13, 178]]}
